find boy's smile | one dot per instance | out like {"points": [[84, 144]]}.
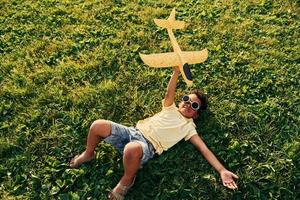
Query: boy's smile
{"points": [[185, 107]]}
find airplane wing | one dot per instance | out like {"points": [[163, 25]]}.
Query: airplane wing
{"points": [[161, 59], [193, 57], [169, 24]]}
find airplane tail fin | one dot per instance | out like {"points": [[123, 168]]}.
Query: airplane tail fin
{"points": [[170, 23]]}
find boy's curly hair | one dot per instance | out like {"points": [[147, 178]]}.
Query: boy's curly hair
{"points": [[203, 99]]}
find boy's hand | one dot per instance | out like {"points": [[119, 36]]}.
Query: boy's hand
{"points": [[228, 179], [176, 69]]}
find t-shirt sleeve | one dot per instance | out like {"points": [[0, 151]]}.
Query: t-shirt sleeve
{"points": [[191, 133]]}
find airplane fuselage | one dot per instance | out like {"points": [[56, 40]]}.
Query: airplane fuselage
{"points": [[184, 67]]}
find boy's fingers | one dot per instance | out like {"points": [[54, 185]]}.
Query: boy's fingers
{"points": [[230, 186], [235, 176], [235, 186]]}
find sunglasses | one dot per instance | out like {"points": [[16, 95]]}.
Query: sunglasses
{"points": [[194, 105]]}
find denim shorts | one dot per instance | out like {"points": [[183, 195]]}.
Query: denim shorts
{"points": [[122, 135]]}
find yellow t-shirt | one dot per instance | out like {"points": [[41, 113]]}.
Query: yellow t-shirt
{"points": [[166, 128]]}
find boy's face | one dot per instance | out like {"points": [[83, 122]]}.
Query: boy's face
{"points": [[186, 109]]}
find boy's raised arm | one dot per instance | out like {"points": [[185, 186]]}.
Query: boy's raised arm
{"points": [[170, 93], [226, 176]]}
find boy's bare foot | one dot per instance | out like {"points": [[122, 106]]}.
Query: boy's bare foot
{"points": [[80, 159], [120, 190]]}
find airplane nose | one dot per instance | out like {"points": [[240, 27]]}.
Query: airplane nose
{"points": [[187, 71]]}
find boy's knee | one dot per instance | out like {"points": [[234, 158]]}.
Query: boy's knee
{"points": [[133, 150], [101, 127]]}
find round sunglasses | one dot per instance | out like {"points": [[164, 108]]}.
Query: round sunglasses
{"points": [[194, 105]]}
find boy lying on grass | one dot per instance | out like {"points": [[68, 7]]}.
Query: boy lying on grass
{"points": [[153, 136]]}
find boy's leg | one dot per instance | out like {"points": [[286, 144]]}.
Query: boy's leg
{"points": [[99, 129], [132, 155]]}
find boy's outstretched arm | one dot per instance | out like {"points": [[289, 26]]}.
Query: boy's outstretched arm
{"points": [[170, 93], [226, 176]]}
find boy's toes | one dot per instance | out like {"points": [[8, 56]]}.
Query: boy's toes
{"points": [[79, 159], [74, 162]]}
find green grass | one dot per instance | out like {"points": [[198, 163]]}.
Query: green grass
{"points": [[65, 64]]}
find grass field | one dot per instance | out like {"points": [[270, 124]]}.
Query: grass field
{"points": [[64, 64]]}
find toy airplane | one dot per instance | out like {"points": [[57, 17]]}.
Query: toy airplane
{"points": [[178, 57]]}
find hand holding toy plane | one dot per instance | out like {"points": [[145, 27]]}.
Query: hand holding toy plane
{"points": [[178, 57]]}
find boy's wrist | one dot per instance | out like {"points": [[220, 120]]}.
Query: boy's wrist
{"points": [[176, 70], [221, 169], [176, 73]]}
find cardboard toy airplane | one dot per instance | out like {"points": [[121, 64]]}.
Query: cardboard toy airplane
{"points": [[178, 57]]}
